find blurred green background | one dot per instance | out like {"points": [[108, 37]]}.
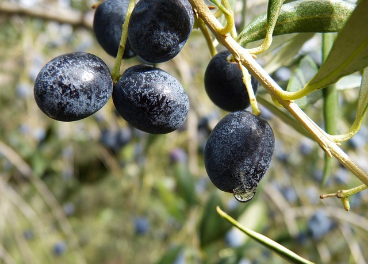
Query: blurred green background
{"points": [[100, 191]]}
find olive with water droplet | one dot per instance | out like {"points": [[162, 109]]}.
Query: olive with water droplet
{"points": [[238, 153]]}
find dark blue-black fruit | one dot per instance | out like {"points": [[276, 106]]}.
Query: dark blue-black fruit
{"points": [[73, 86], [238, 153], [141, 225], [107, 25], [158, 29], [151, 100], [224, 84]]}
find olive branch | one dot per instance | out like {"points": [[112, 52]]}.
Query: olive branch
{"points": [[327, 142]]}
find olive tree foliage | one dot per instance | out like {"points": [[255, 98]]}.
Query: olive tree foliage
{"points": [[310, 57]]}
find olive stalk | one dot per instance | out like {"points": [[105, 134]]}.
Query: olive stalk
{"points": [[321, 137], [115, 74]]}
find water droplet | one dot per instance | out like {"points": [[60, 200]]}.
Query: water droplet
{"points": [[243, 195]]}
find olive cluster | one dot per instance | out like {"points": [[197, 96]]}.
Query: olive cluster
{"points": [[76, 85]]}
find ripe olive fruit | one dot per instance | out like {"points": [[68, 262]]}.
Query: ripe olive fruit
{"points": [[224, 85], [158, 29], [151, 100], [238, 153], [73, 86]]}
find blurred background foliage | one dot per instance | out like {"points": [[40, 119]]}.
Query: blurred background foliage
{"points": [[100, 191]]}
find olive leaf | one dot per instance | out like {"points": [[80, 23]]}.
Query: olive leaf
{"points": [[265, 241], [363, 96], [301, 16], [305, 71], [349, 52]]}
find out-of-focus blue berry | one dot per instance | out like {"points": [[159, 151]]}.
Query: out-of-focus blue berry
{"points": [[39, 134], [342, 176], [141, 225], [69, 209], [290, 194], [265, 113], [59, 248], [28, 234], [123, 137], [24, 90], [319, 224], [178, 155], [313, 194], [234, 238], [357, 142], [115, 140], [283, 74], [305, 148], [180, 259]]}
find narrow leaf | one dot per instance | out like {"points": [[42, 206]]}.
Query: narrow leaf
{"points": [[301, 16], [267, 242], [363, 95], [330, 105], [305, 71], [349, 52]]}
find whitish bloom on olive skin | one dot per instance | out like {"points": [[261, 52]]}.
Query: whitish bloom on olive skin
{"points": [[239, 152], [73, 86]]}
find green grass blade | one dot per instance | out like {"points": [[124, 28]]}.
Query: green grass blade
{"points": [[265, 241]]}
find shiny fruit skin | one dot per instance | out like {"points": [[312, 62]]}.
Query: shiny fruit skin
{"points": [[151, 100], [73, 86]]}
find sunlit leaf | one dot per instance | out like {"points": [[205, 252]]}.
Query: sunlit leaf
{"points": [[349, 52], [305, 71], [301, 16], [349, 82], [265, 241]]}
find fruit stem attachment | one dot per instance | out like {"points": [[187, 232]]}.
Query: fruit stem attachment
{"points": [[94, 6], [115, 74], [223, 7], [247, 80], [345, 194], [321, 137]]}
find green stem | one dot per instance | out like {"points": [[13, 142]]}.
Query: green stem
{"points": [[273, 11], [115, 74], [345, 194], [265, 241], [228, 16], [247, 80]]}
